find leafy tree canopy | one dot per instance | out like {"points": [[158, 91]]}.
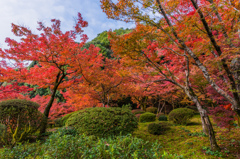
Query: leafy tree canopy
{"points": [[103, 43]]}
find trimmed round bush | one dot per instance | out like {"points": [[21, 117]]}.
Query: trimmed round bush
{"points": [[21, 118], [152, 110], [147, 117], [137, 111], [62, 121], [155, 129], [181, 116], [162, 118], [103, 122]]}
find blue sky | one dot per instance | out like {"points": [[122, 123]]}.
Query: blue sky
{"points": [[28, 12]]}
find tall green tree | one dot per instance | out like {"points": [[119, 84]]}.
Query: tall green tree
{"points": [[103, 43]]}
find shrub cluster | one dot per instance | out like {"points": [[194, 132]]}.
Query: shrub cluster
{"points": [[21, 118], [62, 121], [158, 128], [181, 116], [3, 132], [162, 118], [103, 121], [85, 147], [152, 110], [147, 117], [155, 129]]}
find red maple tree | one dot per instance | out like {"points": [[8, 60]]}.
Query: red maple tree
{"points": [[61, 59]]}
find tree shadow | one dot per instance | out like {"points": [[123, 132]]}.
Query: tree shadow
{"points": [[193, 123]]}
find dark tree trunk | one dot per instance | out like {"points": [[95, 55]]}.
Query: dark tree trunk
{"points": [[59, 79], [46, 113]]}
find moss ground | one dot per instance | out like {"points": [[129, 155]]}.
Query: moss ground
{"points": [[189, 142]]}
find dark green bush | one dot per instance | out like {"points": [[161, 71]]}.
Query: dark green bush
{"points": [[103, 121], [20, 151], [181, 116], [66, 131], [138, 111], [3, 132], [21, 118], [152, 110], [147, 117], [155, 129], [58, 122], [162, 118], [158, 128]]}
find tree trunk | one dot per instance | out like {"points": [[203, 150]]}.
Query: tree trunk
{"points": [[43, 126], [159, 105], [59, 79], [235, 67], [206, 123], [173, 103], [163, 106], [211, 134]]}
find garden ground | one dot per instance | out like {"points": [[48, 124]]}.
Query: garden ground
{"points": [[188, 141]]}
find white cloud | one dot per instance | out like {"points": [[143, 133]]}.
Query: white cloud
{"points": [[28, 12]]}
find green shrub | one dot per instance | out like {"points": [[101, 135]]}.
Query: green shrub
{"points": [[3, 132], [59, 122], [103, 121], [138, 111], [152, 110], [21, 151], [3, 129], [84, 147], [147, 117], [162, 118], [66, 117], [66, 131], [21, 118], [181, 116], [155, 129]]}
